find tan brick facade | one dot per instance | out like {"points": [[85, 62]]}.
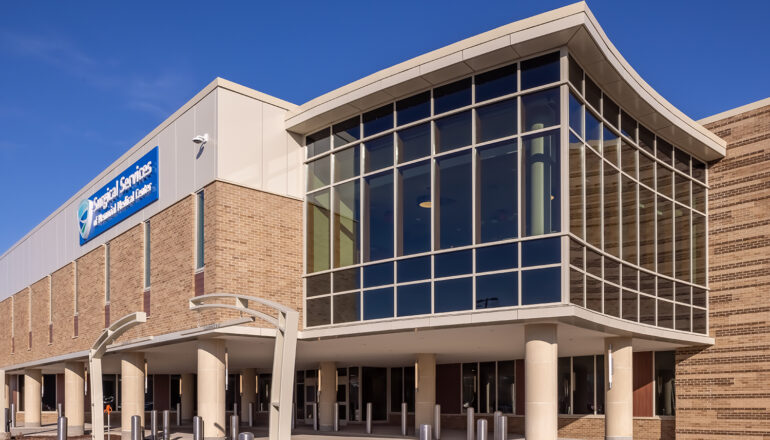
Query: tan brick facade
{"points": [[723, 391]]}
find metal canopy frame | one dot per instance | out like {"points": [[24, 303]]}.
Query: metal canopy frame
{"points": [[95, 354], [283, 358]]}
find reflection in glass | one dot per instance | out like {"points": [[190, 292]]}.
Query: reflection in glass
{"points": [[495, 83], [413, 269], [448, 264], [682, 189], [346, 131], [593, 93], [682, 242], [665, 288], [698, 170], [452, 96], [347, 307], [576, 283], [611, 300], [499, 257], [505, 386], [318, 224], [378, 215], [664, 379], [453, 131], [379, 153], [630, 305], [593, 262], [610, 146], [378, 274], [647, 170], [413, 299], [413, 143], [540, 70], [575, 115], [540, 286], [664, 151], [665, 221], [470, 385], [593, 131], [455, 204], [540, 110], [576, 186], [665, 314], [496, 120], [414, 205], [345, 280], [564, 385], [611, 210], [610, 111], [347, 201], [498, 290], [318, 173], [453, 295], [628, 158], [646, 309], [583, 388], [378, 303], [487, 387], [699, 249], [698, 197], [498, 191], [627, 125], [629, 220], [576, 254], [541, 177], [682, 161], [413, 108], [346, 164], [540, 252], [647, 140], [575, 75], [646, 228], [318, 284], [593, 294], [318, 311], [593, 205], [318, 143], [699, 321], [378, 120]]}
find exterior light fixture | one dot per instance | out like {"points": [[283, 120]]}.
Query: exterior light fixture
{"points": [[201, 139]]}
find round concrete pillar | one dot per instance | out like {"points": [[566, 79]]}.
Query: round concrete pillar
{"points": [[131, 391], [540, 391], [327, 395], [188, 397], [74, 395], [425, 391], [248, 392], [211, 387], [32, 398], [618, 400]]}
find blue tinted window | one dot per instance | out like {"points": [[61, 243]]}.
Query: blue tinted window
{"points": [[540, 110], [498, 290], [378, 120], [454, 263], [610, 111], [413, 299], [318, 143], [541, 179], [413, 269], [593, 130], [379, 153], [498, 183], [498, 82], [378, 274], [541, 252], [378, 209], [541, 70], [453, 131], [415, 207], [413, 143], [575, 115], [413, 108], [496, 120], [378, 303], [453, 295], [346, 131], [452, 96], [455, 208], [541, 286], [504, 256]]}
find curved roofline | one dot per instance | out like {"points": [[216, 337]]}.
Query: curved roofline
{"points": [[573, 26]]}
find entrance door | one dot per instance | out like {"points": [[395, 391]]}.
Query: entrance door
{"points": [[374, 389], [311, 395], [342, 394]]}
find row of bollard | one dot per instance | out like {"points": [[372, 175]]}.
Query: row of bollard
{"points": [[500, 426]]}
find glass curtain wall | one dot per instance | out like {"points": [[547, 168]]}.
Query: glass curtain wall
{"points": [[638, 216], [423, 205]]}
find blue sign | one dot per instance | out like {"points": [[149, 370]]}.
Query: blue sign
{"points": [[132, 190]]}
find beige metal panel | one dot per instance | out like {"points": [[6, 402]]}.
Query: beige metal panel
{"points": [[240, 139], [205, 157], [445, 68], [185, 150], [295, 169], [489, 53], [167, 181], [274, 150]]}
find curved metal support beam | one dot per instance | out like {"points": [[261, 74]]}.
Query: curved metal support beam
{"points": [[283, 356], [108, 336]]}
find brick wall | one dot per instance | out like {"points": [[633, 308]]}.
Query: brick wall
{"points": [[40, 292], [63, 286], [723, 391]]}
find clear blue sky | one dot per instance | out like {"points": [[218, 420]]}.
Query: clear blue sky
{"points": [[81, 82]]}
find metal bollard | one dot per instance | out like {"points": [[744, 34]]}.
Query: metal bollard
{"points": [[425, 432], [496, 425], [13, 415], [481, 429], [178, 414], [7, 427], [251, 414], [245, 436], [437, 422], [136, 428], [503, 428], [336, 416], [197, 428], [59, 410], [470, 424], [315, 416], [166, 424], [154, 425], [61, 429], [235, 409], [368, 417], [293, 417], [403, 418], [233, 427]]}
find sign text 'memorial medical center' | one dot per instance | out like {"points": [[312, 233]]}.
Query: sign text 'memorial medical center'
{"points": [[135, 188]]}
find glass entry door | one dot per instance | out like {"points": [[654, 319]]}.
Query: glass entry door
{"points": [[342, 395], [374, 389], [311, 395]]}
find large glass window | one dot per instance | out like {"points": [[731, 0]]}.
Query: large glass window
{"points": [[629, 220], [453, 131], [413, 143], [576, 186], [414, 208], [583, 386], [664, 381], [455, 206], [498, 191], [498, 82], [346, 224], [318, 223], [496, 120], [378, 214], [540, 110], [347, 131], [593, 205], [541, 179], [611, 210], [665, 237]]}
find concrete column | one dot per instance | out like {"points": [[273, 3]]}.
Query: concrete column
{"points": [[188, 398], [211, 387], [327, 395], [540, 391], [131, 391], [32, 398], [425, 392], [4, 403], [74, 396], [248, 392], [618, 400]]}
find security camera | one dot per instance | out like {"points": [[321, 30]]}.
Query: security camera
{"points": [[201, 139]]}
